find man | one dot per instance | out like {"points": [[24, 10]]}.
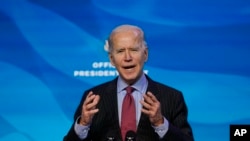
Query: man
{"points": [[159, 112]]}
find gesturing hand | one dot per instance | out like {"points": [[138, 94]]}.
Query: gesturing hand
{"points": [[89, 108], [152, 108]]}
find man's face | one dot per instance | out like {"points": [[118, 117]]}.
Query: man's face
{"points": [[128, 55]]}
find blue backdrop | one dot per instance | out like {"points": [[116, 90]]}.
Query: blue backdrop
{"points": [[52, 50]]}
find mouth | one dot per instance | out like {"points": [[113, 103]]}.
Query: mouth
{"points": [[129, 67]]}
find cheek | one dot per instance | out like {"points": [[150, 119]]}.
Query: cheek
{"points": [[114, 61], [142, 59]]}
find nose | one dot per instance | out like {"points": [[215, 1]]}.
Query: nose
{"points": [[128, 56]]}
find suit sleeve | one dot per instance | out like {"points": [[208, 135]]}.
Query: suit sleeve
{"points": [[71, 135], [179, 128]]}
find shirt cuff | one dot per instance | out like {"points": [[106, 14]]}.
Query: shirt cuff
{"points": [[81, 130], [162, 129]]}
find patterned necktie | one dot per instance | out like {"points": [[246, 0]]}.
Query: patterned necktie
{"points": [[128, 119]]}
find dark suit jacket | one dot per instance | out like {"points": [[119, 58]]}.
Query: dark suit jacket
{"points": [[106, 121]]}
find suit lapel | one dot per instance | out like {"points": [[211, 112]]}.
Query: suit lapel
{"points": [[111, 99], [144, 126]]}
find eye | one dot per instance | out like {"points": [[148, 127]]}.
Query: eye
{"points": [[135, 49], [120, 51]]}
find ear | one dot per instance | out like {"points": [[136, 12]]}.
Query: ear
{"points": [[145, 54], [111, 59]]}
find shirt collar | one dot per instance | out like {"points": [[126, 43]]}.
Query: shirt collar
{"points": [[138, 85]]}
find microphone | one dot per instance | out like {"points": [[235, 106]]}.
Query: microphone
{"points": [[110, 136], [130, 136]]}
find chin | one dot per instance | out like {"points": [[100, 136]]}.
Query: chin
{"points": [[130, 79]]}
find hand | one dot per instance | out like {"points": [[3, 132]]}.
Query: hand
{"points": [[89, 108], [152, 108]]}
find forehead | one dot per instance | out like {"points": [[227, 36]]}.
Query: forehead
{"points": [[126, 38]]}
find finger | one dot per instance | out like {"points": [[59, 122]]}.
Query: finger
{"points": [[148, 99], [87, 97], [90, 93], [145, 105], [145, 111], [152, 97], [94, 101], [155, 104], [93, 111]]}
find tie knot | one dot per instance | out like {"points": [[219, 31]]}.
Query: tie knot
{"points": [[129, 89]]}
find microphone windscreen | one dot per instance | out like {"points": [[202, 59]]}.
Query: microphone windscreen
{"points": [[130, 136], [111, 136]]}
